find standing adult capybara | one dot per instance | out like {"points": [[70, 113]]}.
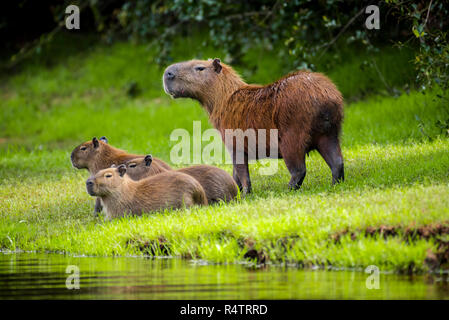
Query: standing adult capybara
{"points": [[305, 107], [97, 154], [217, 183], [122, 195]]}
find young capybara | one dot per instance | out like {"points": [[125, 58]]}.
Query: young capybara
{"points": [[305, 107], [97, 154], [121, 195], [217, 183]]}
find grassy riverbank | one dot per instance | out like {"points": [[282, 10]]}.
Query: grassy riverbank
{"points": [[392, 211]]}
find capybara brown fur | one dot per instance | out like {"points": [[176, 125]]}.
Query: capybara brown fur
{"points": [[217, 183], [97, 154], [305, 107], [121, 195]]}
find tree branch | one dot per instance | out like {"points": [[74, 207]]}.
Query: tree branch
{"points": [[341, 32], [245, 14], [428, 11]]}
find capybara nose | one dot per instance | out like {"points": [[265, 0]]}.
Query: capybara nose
{"points": [[90, 187], [169, 75]]}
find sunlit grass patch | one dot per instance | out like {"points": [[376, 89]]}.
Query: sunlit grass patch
{"points": [[288, 227], [397, 174]]}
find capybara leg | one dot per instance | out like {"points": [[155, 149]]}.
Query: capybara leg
{"points": [[296, 164], [98, 207], [236, 178], [329, 148], [293, 153], [243, 176]]}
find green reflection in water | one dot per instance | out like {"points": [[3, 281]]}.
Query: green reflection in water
{"points": [[43, 276]]}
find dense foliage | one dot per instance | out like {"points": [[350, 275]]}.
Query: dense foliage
{"points": [[299, 30]]}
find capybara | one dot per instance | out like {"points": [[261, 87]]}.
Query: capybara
{"points": [[217, 183], [305, 107], [121, 195], [97, 154]]}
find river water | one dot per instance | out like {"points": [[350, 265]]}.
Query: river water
{"points": [[43, 276]]}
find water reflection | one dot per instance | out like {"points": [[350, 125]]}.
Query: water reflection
{"points": [[43, 276]]}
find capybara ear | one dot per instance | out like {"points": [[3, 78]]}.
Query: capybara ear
{"points": [[121, 170], [217, 65], [148, 160], [104, 139], [95, 142]]}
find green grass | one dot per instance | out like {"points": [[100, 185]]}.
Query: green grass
{"points": [[395, 174]]}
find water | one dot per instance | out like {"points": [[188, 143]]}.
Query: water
{"points": [[43, 276]]}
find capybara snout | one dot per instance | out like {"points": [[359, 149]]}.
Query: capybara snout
{"points": [[90, 186]]}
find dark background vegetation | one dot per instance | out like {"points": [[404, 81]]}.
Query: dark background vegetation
{"points": [[301, 31]]}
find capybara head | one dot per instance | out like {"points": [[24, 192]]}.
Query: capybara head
{"points": [[85, 154], [139, 168], [190, 79], [106, 181]]}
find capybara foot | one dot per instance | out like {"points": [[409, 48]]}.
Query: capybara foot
{"points": [[296, 181], [245, 190], [338, 175]]}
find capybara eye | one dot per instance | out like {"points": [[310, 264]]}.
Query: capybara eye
{"points": [[199, 68], [83, 148], [132, 165], [108, 175]]}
